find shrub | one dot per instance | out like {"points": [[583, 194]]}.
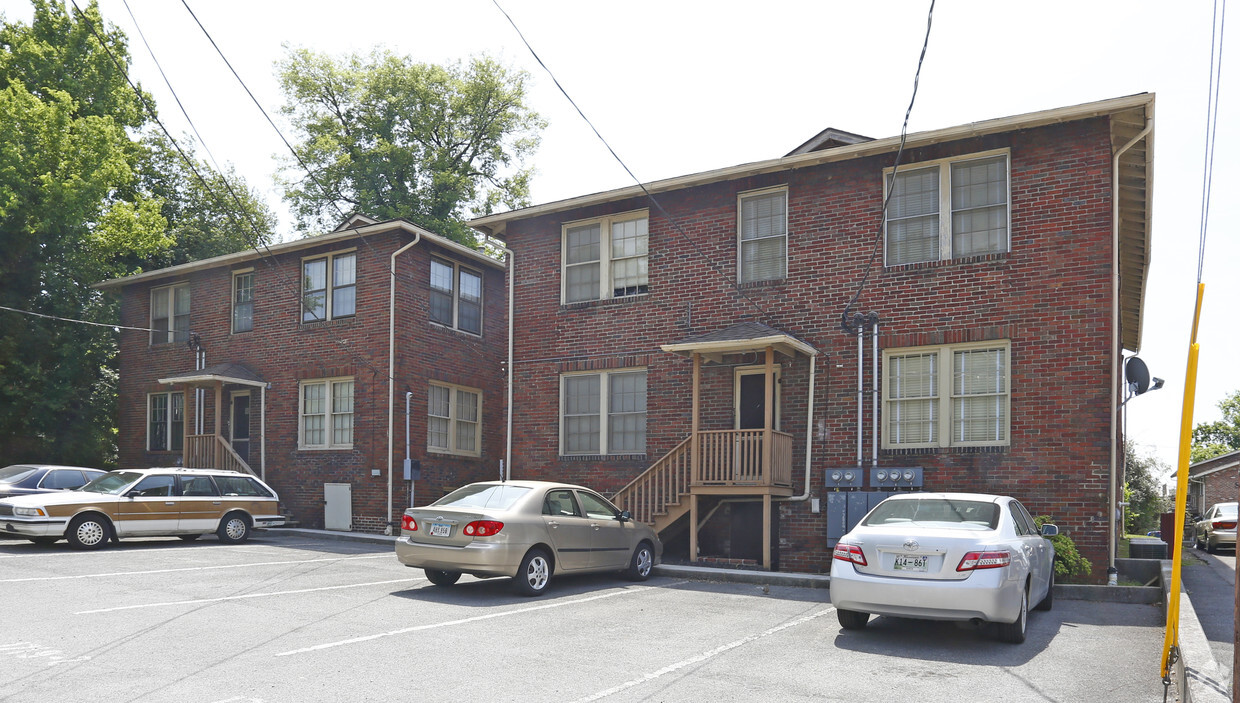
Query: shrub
{"points": [[1068, 561]]}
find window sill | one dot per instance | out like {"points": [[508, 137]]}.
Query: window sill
{"points": [[340, 448], [940, 263], [602, 457], [908, 451], [447, 452], [622, 300], [458, 330], [334, 322], [763, 284]]}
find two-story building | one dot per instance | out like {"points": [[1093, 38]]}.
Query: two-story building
{"points": [[731, 351], [320, 364]]}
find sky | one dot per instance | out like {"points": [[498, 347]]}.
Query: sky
{"points": [[689, 86]]}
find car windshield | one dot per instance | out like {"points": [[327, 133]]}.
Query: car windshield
{"points": [[15, 473], [936, 512], [114, 483], [485, 495]]}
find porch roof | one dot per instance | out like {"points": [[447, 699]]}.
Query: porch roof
{"points": [[219, 373], [738, 339]]}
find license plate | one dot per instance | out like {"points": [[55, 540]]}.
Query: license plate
{"points": [[909, 562], [439, 529]]}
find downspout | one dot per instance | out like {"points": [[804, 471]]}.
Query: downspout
{"points": [[860, 390], [874, 399], [511, 271], [809, 432], [417, 237], [1112, 489], [262, 437]]}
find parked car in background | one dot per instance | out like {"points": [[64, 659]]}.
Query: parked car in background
{"points": [[945, 556], [1217, 527], [154, 502], [529, 530], [24, 479]]}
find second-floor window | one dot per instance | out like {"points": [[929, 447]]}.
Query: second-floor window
{"points": [[606, 257], [327, 414], [763, 225], [454, 416], [165, 422], [949, 209], [603, 413], [329, 287], [456, 296], [243, 302], [946, 396], [170, 314]]}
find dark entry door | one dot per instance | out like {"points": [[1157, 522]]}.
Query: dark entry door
{"points": [[240, 414], [750, 415]]}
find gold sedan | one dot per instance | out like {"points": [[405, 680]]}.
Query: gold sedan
{"points": [[528, 530]]}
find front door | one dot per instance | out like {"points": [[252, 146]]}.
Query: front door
{"points": [[239, 422], [751, 415]]}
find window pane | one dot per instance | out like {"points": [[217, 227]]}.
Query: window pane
{"points": [[344, 301], [315, 275], [979, 419], [441, 276], [313, 432], [582, 282], [158, 417], [762, 259], [581, 414], [764, 216], [979, 183], [979, 371], [629, 238], [437, 433], [912, 421], [913, 240], [469, 315], [438, 401], [441, 307], [342, 397], [344, 270], [314, 395], [630, 276], [315, 307], [581, 244], [914, 193], [626, 434], [627, 392], [581, 435], [913, 376], [466, 436], [342, 429], [581, 395], [466, 406], [243, 302], [981, 231]]}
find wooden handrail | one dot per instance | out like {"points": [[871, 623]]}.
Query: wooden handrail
{"points": [[664, 483], [211, 451]]}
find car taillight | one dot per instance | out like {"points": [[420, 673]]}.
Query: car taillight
{"points": [[1224, 524], [408, 523], [483, 528], [984, 560], [851, 553]]}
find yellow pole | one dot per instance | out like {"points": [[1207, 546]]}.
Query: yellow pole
{"points": [[1171, 633]]}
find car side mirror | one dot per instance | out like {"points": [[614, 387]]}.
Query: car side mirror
{"points": [[1050, 530], [625, 516]]}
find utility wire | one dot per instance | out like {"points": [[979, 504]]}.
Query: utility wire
{"points": [[1207, 170], [882, 218], [80, 322]]}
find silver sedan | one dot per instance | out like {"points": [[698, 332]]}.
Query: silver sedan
{"points": [[945, 556], [528, 530], [1217, 527]]}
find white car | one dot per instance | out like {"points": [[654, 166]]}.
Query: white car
{"points": [[945, 556]]}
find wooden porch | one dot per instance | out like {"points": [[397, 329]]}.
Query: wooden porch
{"points": [[212, 448]]}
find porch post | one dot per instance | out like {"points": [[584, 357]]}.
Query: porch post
{"points": [[262, 431], [216, 459], [766, 531], [693, 527], [768, 421], [694, 469]]}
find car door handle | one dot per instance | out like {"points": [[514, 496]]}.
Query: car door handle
{"points": [[170, 502], [215, 502], [552, 524]]}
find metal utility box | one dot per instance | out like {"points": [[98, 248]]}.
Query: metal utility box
{"points": [[851, 477], [845, 510], [896, 477], [338, 506]]}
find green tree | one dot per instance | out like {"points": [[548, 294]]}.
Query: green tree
{"points": [[1142, 491], [388, 137], [1210, 439]]}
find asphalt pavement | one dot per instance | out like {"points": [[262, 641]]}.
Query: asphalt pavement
{"points": [[1210, 581]]}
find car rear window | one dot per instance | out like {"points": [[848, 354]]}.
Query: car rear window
{"points": [[15, 473], [240, 486], [941, 512], [1227, 510], [495, 497]]}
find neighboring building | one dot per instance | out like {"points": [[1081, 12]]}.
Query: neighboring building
{"points": [[1215, 480], [688, 354], [277, 361]]}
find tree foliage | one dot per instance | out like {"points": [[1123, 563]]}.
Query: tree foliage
{"points": [[389, 137], [1142, 491], [1210, 439], [75, 209]]}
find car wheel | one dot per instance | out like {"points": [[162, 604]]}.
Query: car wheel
{"points": [[851, 619], [1014, 632], [234, 528], [534, 575], [641, 563], [1049, 601], [189, 538], [1211, 547], [1197, 541], [442, 578], [44, 541], [88, 532]]}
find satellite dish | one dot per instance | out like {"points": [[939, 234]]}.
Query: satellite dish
{"points": [[1138, 375]]}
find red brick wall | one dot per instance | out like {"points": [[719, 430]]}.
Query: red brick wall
{"points": [[283, 352], [1050, 296]]}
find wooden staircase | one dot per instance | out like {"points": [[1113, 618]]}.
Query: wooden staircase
{"points": [[211, 451], [658, 496]]}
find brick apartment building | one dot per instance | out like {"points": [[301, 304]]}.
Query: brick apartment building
{"points": [[690, 355], [277, 361], [1214, 480]]}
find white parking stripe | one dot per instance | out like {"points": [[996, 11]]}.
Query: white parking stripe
{"points": [[39, 552], [244, 596], [702, 657], [477, 618], [192, 568]]}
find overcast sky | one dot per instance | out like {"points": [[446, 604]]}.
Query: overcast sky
{"points": [[682, 87]]}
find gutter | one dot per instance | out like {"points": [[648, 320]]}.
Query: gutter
{"points": [[417, 237], [512, 276]]}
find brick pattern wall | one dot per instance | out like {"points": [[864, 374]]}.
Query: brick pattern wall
{"points": [[1050, 296], [283, 352]]}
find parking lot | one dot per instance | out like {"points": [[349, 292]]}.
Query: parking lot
{"points": [[293, 617]]}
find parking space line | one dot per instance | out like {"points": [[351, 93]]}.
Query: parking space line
{"points": [[477, 618], [244, 596], [703, 656], [192, 568], [162, 550]]}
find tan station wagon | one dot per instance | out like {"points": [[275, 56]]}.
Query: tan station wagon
{"points": [[154, 502]]}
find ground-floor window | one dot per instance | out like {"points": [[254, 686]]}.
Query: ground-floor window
{"points": [[165, 422], [326, 414], [454, 415], [603, 413]]}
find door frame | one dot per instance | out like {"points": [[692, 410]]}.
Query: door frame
{"points": [[758, 370]]}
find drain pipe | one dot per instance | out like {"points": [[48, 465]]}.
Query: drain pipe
{"points": [[1112, 488], [417, 237], [860, 389], [511, 271], [874, 396], [809, 432]]}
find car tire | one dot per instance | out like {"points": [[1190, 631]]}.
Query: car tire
{"points": [[189, 538], [234, 528], [442, 578], [851, 619], [1014, 632], [1211, 547], [1197, 541], [641, 564], [1049, 601], [534, 575], [88, 532], [44, 541]]}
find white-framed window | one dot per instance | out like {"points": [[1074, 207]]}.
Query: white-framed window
{"points": [[170, 314], [165, 422], [456, 296], [607, 257], [243, 301], [949, 209], [326, 410], [329, 287], [762, 235], [454, 419], [603, 413], [947, 396]]}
